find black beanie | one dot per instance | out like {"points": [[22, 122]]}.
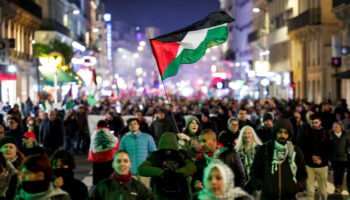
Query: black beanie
{"points": [[8, 139], [267, 116]]}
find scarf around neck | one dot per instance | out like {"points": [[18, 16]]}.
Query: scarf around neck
{"points": [[280, 153], [212, 156], [121, 179]]}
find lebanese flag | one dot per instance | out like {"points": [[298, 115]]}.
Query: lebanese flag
{"points": [[103, 145], [189, 44]]}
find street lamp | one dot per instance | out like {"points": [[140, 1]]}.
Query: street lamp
{"points": [[12, 68]]}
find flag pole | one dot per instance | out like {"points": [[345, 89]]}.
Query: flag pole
{"points": [[172, 114], [166, 92]]}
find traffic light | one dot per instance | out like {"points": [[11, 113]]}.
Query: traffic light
{"points": [[336, 62], [293, 85]]}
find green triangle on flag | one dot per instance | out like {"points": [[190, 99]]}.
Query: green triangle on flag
{"points": [[70, 104], [91, 100]]}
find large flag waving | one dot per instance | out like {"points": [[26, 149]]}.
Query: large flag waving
{"points": [[189, 44]]}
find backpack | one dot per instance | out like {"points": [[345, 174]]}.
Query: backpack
{"points": [[171, 184]]}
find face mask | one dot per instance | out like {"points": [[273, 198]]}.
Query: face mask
{"points": [[35, 186]]}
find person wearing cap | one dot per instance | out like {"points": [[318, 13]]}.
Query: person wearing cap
{"points": [[278, 169], [30, 144], [265, 132], [9, 147], [189, 138], [169, 167]]}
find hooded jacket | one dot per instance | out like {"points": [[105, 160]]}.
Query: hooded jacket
{"points": [[8, 182], [230, 191], [280, 184], [167, 158]]}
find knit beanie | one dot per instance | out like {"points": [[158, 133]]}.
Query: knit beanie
{"points": [[267, 116], [190, 119], [8, 139], [168, 141]]}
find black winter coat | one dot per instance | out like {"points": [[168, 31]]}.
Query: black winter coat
{"points": [[262, 179], [111, 189], [51, 133]]}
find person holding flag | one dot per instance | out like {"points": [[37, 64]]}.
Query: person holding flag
{"points": [[102, 149]]}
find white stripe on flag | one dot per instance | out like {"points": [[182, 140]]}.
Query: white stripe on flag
{"points": [[194, 38]]}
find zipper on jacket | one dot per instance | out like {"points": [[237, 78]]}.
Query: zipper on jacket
{"points": [[279, 182]]}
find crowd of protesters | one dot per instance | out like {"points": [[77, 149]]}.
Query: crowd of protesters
{"points": [[191, 149]]}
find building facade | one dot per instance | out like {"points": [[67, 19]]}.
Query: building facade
{"points": [[19, 20], [311, 32]]}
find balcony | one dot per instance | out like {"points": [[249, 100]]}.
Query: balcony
{"points": [[310, 17], [53, 25], [337, 3], [255, 35], [29, 6]]}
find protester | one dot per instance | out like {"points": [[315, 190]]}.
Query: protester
{"points": [[121, 184], [70, 124], [315, 145], [36, 180], [82, 137], [14, 112], [139, 145], [243, 119], [63, 165], [246, 147], [207, 122], [229, 137], [339, 141], [211, 149], [102, 149], [142, 121], [115, 123], [32, 127], [30, 145], [14, 130], [278, 169], [189, 139], [9, 147], [265, 133], [8, 179], [169, 167], [160, 125], [51, 134], [218, 184]]}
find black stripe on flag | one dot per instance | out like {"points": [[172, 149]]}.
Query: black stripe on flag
{"points": [[213, 19]]}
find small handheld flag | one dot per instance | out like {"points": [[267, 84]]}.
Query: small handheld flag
{"points": [[189, 44]]}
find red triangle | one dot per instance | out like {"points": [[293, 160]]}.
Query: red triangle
{"points": [[164, 52]]}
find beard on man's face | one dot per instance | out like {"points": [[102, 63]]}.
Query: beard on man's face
{"points": [[282, 140]]}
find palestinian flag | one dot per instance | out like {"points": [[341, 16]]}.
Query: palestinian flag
{"points": [[103, 145], [68, 99], [189, 44]]}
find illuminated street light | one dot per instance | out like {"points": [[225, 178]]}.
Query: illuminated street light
{"points": [[256, 10], [95, 30], [136, 55], [140, 48], [12, 68], [142, 43], [76, 12]]}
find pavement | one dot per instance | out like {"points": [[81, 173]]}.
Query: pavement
{"points": [[83, 172]]}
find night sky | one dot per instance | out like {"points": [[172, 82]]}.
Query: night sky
{"points": [[167, 15]]}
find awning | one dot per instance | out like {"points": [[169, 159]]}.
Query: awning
{"points": [[8, 77], [345, 74], [62, 77]]}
